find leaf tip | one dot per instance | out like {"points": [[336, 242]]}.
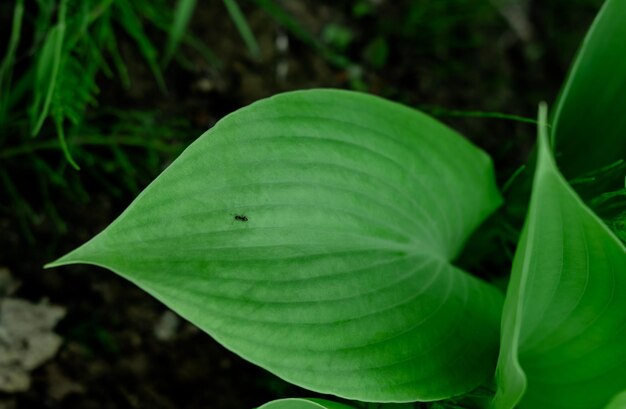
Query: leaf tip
{"points": [[61, 261], [77, 256]]}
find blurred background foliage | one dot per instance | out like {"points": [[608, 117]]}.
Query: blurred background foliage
{"points": [[98, 96], [60, 55], [70, 68]]}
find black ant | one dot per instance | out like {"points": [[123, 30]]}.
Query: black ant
{"points": [[241, 218]]}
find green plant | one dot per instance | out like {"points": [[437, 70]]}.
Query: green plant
{"points": [[52, 117], [316, 234], [59, 53]]}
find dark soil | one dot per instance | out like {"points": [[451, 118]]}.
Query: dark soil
{"points": [[467, 59]]}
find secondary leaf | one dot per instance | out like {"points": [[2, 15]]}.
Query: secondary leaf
{"points": [[313, 233], [564, 319], [299, 403], [589, 126]]}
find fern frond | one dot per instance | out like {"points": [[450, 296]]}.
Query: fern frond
{"points": [[76, 88]]}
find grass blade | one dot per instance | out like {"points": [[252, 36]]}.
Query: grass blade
{"points": [[132, 24], [63, 143], [242, 26], [297, 30], [182, 15], [6, 68], [47, 70]]}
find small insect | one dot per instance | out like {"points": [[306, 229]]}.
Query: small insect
{"points": [[241, 218]]}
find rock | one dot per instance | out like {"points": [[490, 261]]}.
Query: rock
{"points": [[26, 340], [167, 326]]}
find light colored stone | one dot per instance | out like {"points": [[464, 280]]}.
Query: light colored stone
{"points": [[167, 326], [26, 340]]}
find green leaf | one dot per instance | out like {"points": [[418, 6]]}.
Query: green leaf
{"points": [[48, 62], [182, 14], [618, 402], [312, 233], [590, 118], [377, 52], [564, 318], [131, 22], [242, 26], [299, 403], [7, 63]]}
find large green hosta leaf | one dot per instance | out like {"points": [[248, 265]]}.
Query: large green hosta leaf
{"points": [[590, 120], [564, 319], [312, 234]]}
